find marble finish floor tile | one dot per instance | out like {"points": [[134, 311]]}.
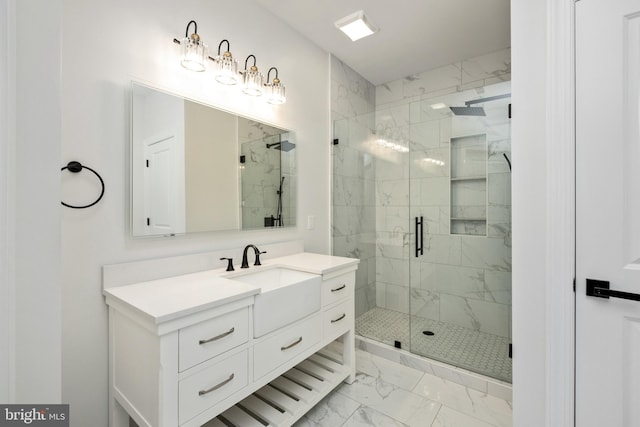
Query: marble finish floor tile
{"points": [[388, 399], [333, 410], [490, 409], [374, 401], [387, 370], [448, 417], [366, 417], [476, 351]]}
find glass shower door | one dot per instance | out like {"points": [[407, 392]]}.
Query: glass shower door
{"points": [[460, 198]]}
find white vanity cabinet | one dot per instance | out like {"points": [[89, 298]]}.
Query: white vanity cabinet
{"points": [[182, 350]]}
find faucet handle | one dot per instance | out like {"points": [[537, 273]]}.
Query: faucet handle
{"points": [[229, 263], [258, 253]]}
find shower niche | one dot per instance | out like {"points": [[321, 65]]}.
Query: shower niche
{"points": [[469, 185]]}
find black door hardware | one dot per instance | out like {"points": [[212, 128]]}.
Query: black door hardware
{"points": [[600, 289], [419, 236]]}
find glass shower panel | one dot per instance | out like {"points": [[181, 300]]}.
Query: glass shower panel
{"points": [[460, 179], [370, 222], [353, 215]]}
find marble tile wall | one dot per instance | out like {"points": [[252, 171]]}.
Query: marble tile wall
{"points": [[260, 181], [462, 279], [353, 219], [261, 174]]}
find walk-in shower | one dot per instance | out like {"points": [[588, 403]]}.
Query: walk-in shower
{"points": [[431, 224], [268, 168]]}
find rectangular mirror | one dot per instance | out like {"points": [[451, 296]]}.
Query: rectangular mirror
{"points": [[196, 168]]}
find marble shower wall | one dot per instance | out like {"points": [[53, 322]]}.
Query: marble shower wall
{"points": [[353, 222], [460, 279], [261, 174]]}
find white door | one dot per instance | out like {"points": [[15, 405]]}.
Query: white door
{"points": [[163, 196], [608, 211]]}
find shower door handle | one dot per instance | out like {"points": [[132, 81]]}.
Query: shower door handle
{"points": [[419, 236]]}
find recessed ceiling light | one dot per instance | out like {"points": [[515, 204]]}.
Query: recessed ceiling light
{"points": [[356, 26], [438, 106]]}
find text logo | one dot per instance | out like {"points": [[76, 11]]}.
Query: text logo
{"points": [[34, 415]]}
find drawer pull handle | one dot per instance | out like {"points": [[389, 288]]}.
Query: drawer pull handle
{"points": [[339, 318], [295, 343], [339, 289], [217, 386], [217, 337]]}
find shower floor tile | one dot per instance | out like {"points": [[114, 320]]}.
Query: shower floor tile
{"points": [[476, 351]]}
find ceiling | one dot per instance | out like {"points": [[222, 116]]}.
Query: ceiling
{"points": [[414, 35]]}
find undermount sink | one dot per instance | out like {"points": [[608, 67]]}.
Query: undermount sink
{"points": [[286, 296]]}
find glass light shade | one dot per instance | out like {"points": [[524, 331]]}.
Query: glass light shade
{"points": [[194, 54], [252, 82], [226, 69], [275, 93]]}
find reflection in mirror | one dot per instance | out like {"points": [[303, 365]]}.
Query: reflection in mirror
{"points": [[268, 172], [196, 168]]}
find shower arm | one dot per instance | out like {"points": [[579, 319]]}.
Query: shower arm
{"points": [[490, 98]]}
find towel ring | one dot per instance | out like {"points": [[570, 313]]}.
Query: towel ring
{"points": [[76, 167]]}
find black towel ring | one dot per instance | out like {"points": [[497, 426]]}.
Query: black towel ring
{"points": [[76, 167]]}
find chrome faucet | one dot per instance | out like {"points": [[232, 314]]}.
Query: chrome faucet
{"points": [[245, 262]]}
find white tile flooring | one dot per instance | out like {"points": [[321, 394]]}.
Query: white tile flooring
{"points": [[387, 393]]}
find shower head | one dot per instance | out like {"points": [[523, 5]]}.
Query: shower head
{"points": [[282, 146], [468, 110]]}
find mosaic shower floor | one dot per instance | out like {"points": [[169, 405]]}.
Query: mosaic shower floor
{"points": [[476, 351]]}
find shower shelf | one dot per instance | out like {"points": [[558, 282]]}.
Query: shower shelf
{"points": [[468, 185]]}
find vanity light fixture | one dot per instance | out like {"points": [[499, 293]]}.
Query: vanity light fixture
{"points": [[194, 51], [226, 67], [275, 89], [356, 26], [252, 80], [194, 56]]}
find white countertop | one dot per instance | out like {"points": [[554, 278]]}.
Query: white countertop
{"points": [[315, 263], [166, 299]]}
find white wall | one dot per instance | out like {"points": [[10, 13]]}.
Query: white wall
{"points": [[105, 46], [6, 27], [34, 202], [529, 202], [543, 215]]}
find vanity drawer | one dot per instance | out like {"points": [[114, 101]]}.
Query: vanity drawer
{"points": [[286, 344], [209, 386], [212, 337], [337, 320], [338, 288]]}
